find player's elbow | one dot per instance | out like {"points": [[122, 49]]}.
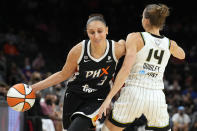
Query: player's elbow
{"points": [[178, 53], [181, 55]]}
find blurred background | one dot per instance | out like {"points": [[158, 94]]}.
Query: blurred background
{"points": [[36, 36]]}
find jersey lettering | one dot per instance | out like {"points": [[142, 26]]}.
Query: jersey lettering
{"points": [[97, 73], [151, 67], [152, 74], [93, 74], [87, 89]]}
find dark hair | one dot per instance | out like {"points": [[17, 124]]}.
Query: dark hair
{"points": [[96, 17], [157, 14]]}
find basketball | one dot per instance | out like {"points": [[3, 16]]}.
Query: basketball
{"points": [[20, 97]]}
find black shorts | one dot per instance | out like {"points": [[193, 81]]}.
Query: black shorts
{"points": [[75, 105]]}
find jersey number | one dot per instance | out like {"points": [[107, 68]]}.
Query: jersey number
{"points": [[102, 81], [156, 56]]}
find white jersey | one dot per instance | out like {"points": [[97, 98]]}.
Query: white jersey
{"points": [[150, 64]]}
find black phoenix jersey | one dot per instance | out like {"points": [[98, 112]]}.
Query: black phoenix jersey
{"points": [[93, 76]]}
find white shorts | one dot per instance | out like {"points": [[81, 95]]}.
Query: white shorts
{"points": [[135, 101]]}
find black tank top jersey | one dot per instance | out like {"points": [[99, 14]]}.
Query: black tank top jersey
{"points": [[93, 76]]}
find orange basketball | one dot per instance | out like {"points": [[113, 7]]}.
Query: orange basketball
{"points": [[21, 97]]}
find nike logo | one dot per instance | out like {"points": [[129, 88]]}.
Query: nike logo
{"points": [[100, 99], [86, 60], [67, 94]]}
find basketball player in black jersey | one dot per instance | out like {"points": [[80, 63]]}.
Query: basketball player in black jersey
{"points": [[90, 65]]}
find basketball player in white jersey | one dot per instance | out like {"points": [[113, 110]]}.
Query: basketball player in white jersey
{"points": [[147, 55]]}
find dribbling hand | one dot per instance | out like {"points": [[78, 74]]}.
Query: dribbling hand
{"points": [[103, 108]]}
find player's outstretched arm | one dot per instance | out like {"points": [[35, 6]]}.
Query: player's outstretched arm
{"points": [[176, 50], [66, 72], [131, 50]]}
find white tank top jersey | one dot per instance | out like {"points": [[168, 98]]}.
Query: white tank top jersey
{"points": [[150, 64]]}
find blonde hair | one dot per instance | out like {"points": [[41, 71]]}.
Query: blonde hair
{"points": [[157, 14]]}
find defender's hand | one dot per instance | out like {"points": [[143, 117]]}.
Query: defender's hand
{"points": [[104, 107]]}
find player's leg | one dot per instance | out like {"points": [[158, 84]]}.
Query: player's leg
{"points": [[138, 123], [85, 116], [108, 126], [160, 130], [69, 108], [80, 123], [126, 109], [156, 111]]}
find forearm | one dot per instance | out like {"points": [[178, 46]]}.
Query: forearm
{"points": [[123, 73], [48, 82], [120, 79]]}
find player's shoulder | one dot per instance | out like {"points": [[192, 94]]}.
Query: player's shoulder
{"points": [[173, 42], [120, 43], [173, 45], [76, 50], [134, 37], [133, 34], [120, 48]]}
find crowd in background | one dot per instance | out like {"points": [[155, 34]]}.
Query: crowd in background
{"points": [[35, 37]]}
